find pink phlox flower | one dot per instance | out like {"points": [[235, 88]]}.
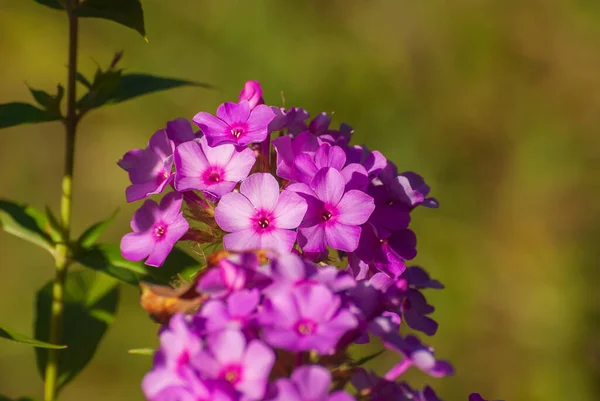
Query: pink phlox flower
{"points": [[309, 383], [215, 171], [156, 229], [259, 216], [252, 92], [293, 120], [235, 123]]}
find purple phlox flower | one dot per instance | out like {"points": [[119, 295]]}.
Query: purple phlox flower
{"points": [[245, 365], [289, 148], [373, 161], [408, 187], [259, 216], [156, 229], [380, 389], [427, 394], [180, 131], [415, 354], [385, 324], [233, 274], [291, 270], [214, 170], [189, 387], [309, 383], [252, 92], [294, 120], [150, 170], [340, 137], [179, 343], [320, 124], [414, 310], [418, 278], [390, 213], [334, 216], [306, 166], [236, 312], [235, 123], [387, 252], [309, 317]]}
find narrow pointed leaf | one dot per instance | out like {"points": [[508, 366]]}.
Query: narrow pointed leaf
{"points": [[54, 228], [23, 339], [133, 85], [18, 113], [43, 98], [125, 12], [107, 259], [104, 88], [140, 351], [26, 222], [83, 80], [56, 4], [90, 236], [90, 304]]}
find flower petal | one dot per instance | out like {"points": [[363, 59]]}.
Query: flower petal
{"points": [[180, 131], [214, 129], [342, 237], [328, 184], [160, 144], [227, 346], [290, 210], [170, 206], [190, 160], [239, 165], [312, 382], [136, 246], [312, 239], [247, 239], [355, 208], [218, 155], [262, 190], [233, 113], [278, 240], [234, 212], [258, 122], [330, 156], [143, 219], [305, 168]]}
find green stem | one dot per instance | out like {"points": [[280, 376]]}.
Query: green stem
{"points": [[62, 250]]}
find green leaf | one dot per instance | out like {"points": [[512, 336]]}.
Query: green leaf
{"points": [[124, 12], [83, 80], [103, 89], [140, 351], [17, 113], [23, 339], [25, 222], [56, 4], [90, 303], [366, 359], [90, 236], [55, 229], [50, 103], [107, 259]]}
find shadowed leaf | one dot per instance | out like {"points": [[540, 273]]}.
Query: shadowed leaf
{"points": [[125, 12], [23, 339], [25, 222], [90, 303], [17, 113], [90, 236], [107, 259], [51, 3]]}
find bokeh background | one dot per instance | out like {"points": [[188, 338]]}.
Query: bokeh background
{"points": [[495, 102]]}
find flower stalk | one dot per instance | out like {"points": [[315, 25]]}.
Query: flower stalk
{"points": [[62, 256]]}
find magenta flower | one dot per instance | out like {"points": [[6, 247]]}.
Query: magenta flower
{"points": [[214, 170], [289, 148], [235, 123], [259, 217], [234, 313], [189, 386], [149, 169], [309, 383], [179, 343], [180, 131], [333, 217], [308, 317], [293, 120], [374, 162], [252, 92], [415, 354], [156, 229], [408, 188], [246, 366]]}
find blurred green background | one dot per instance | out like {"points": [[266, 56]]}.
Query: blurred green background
{"points": [[495, 102]]}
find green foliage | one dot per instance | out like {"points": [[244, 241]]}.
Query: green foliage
{"points": [[50, 103], [125, 12], [56, 4], [55, 229], [26, 222], [4, 398], [17, 113], [112, 86], [107, 259], [23, 339], [140, 351], [90, 303], [91, 235]]}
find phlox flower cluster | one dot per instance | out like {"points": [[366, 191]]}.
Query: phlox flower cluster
{"points": [[315, 261]]}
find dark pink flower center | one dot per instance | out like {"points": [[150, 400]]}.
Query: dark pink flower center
{"points": [[232, 374], [237, 130], [162, 176], [263, 223], [326, 215], [306, 327], [213, 175], [160, 230]]}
